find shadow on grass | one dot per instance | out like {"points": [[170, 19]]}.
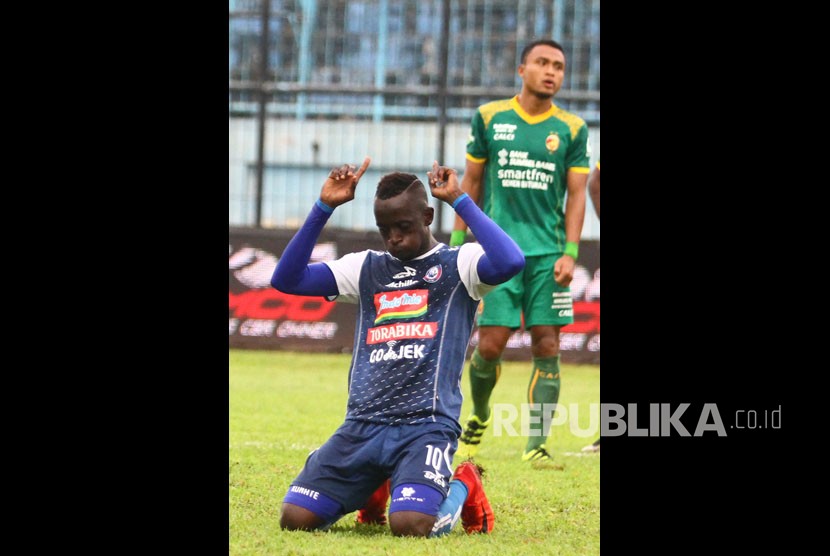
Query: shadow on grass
{"points": [[361, 529]]}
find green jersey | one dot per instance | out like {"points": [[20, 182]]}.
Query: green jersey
{"points": [[527, 159]]}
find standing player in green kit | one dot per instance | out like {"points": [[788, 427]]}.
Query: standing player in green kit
{"points": [[524, 154]]}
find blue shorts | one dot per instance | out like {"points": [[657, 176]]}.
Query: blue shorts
{"points": [[359, 456]]}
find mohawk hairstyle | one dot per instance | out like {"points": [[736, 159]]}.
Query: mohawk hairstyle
{"points": [[392, 185]]}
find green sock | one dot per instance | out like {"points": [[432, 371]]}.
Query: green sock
{"points": [[543, 389], [483, 377]]}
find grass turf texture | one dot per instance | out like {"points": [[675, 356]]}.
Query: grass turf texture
{"points": [[283, 405]]}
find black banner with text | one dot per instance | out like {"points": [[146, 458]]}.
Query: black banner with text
{"points": [[260, 317]]}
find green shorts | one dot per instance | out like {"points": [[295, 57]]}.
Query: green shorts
{"points": [[533, 292]]}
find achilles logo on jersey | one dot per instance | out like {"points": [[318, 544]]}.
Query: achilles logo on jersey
{"points": [[433, 274], [401, 284], [405, 274], [405, 304]]}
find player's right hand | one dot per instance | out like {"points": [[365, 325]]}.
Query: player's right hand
{"points": [[563, 270], [443, 183], [341, 183]]}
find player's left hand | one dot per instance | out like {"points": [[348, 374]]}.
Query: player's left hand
{"points": [[443, 183], [563, 270]]}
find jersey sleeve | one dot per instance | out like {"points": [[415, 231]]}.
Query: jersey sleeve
{"points": [[579, 155], [346, 272], [477, 140], [468, 256]]}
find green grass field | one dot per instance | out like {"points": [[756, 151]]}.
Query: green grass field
{"points": [[283, 405]]}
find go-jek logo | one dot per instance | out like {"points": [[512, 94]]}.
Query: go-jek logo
{"points": [[404, 304]]}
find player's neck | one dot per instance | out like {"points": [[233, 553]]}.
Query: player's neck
{"points": [[534, 105]]}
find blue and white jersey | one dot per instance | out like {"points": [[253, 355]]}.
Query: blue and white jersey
{"points": [[414, 322]]}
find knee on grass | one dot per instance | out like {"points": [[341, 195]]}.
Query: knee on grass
{"points": [[296, 518], [411, 524]]}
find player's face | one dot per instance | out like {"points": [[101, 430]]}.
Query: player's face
{"points": [[544, 71], [403, 224]]}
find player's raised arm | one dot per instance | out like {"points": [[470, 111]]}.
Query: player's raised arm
{"points": [[472, 185], [502, 257], [293, 274]]}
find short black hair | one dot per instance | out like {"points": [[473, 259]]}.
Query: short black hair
{"points": [[396, 183], [547, 42]]}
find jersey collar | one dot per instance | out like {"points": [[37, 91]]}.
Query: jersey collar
{"points": [[514, 104]]}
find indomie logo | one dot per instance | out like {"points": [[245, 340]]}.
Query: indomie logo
{"points": [[405, 304]]}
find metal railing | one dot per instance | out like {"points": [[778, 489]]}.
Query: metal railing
{"points": [[380, 55], [429, 61]]}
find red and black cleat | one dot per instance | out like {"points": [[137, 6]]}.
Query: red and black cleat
{"points": [[476, 513], [374, 511]]}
